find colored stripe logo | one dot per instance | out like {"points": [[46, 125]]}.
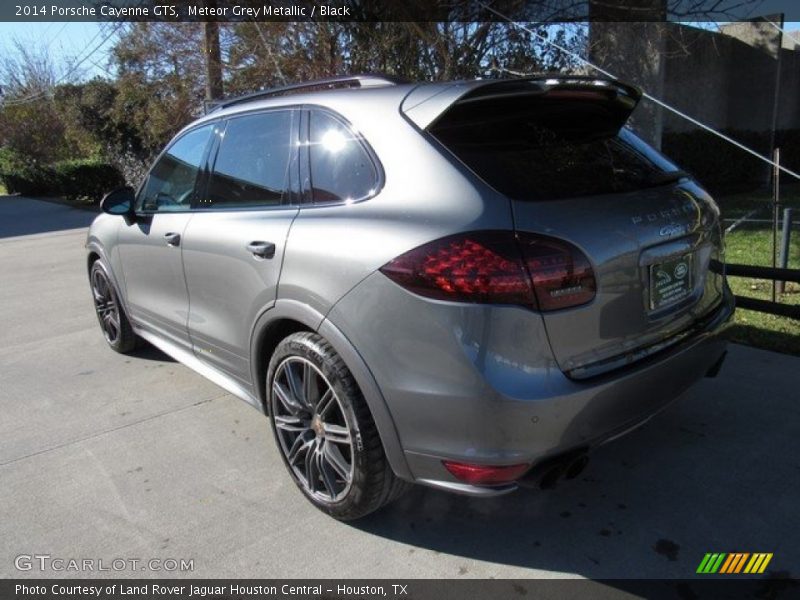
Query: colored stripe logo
{"points": [[734, 562]]}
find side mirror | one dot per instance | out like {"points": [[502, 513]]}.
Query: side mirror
{"points": [[118, 201]]}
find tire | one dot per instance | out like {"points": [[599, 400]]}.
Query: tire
{"points": [[111, 315], [325, 432]]}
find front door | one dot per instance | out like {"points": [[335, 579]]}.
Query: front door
{"points": [[151, 245]]}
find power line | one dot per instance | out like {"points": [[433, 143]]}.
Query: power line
{"points": [[783, 31], [644, 94], [41, 42], [55, 36], [42, 93], [75, 66]]}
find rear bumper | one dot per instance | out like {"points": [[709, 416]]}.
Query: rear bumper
{"points": [[478, 384]]}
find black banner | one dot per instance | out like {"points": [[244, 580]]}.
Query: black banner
{"points": [[714, 587], [396, 10]]}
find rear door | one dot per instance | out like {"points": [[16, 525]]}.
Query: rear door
{"points": [[559, 152], [233, 247]]}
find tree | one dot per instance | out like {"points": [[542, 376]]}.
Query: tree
{"points": [[159, 80], [160, 84], [27, 76], [26, 72], [262, 55], [43, 142]]}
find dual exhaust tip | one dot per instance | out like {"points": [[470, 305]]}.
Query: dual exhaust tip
{"points": [[547, 474]]}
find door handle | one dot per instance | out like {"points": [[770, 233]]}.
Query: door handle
{"points": [[172, 239], [261, 249]]}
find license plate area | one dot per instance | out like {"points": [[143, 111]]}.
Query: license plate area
{"points": [[671, 281]]}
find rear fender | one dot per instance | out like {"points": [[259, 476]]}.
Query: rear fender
{"points": [[314, 321]]}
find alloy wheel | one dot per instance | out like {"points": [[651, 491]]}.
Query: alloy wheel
{"points": [[311, 427], [106, 306]]}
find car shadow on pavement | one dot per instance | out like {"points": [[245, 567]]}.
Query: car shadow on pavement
{"points": [[26, 216], [718, 471], [146, 351]]}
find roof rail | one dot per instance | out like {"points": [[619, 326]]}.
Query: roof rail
{"points": [[329, 83]]}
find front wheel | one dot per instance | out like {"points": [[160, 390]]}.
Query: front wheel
{"points": [[113, 320], [324, 430]]}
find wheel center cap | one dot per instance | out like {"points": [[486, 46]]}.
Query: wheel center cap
{"points": [[316, 425]]}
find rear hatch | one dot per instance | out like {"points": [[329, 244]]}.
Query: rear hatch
{"points": [[558, 149]]}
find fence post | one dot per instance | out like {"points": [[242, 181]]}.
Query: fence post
{"points": [[785, 237]]}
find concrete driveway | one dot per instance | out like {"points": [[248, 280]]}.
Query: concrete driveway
{"points": [[104, 456]]}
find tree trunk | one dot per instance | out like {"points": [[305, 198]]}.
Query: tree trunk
{"points": [[213, 58]]}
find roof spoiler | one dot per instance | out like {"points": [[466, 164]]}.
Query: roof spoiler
{"points": [[427, 105]]}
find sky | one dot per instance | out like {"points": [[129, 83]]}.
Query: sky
{"points": [[65, 43], [83, 41]]}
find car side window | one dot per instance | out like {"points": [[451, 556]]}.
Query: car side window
{"points": [[341, 168], [170, 183], [252, 164]]}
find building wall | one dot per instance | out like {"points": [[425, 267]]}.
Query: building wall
{"points": [[728, 79], [789, 106]]}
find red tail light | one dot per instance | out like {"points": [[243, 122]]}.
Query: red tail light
{"points": [[562, 276], [483, 266], [495, 267], [485, 475]]}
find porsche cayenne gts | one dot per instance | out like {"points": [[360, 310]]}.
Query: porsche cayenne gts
{"points": [[467, 285]]}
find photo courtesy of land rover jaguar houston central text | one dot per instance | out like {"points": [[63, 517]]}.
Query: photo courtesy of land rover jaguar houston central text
{"points": [[468, 285]]}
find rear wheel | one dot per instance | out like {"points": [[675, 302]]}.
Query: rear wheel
{"points": [[113, 322], [324, 430]]}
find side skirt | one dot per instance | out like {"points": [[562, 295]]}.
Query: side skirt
{"points": [[189, 359]]}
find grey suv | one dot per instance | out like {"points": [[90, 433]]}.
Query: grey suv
{"points": [[467, 285]]}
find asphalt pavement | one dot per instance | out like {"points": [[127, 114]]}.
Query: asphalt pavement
{"points": [[104, 457]]}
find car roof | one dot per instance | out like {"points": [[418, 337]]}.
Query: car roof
{"points": [[420, 102], [322, 97]]}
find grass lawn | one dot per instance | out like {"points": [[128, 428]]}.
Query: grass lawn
{"points": [[734, 206], [752, 245]]}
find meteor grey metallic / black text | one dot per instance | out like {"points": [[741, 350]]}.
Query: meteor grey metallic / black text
{"points": [[467, 285]]}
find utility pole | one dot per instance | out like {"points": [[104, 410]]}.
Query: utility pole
{"points": [[634, 49], [213, 58], [776, 98]]}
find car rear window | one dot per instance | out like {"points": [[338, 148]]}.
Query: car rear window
{"points": [[549, 154], [341, 168]]}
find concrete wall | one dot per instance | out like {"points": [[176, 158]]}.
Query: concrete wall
{"points": [[727, 79], [789, 106]]}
